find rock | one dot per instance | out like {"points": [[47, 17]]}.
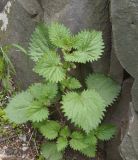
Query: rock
{"points": [[135, 94], [124, 17], [22, 138], [129, 145], [3, 4], [5, 10], [33, 8], [25, 148], [80, 14], [118, 115], [116, 70]]}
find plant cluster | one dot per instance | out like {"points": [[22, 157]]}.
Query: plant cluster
{"points": [[65, 112], [6, 88], [6, 70]]}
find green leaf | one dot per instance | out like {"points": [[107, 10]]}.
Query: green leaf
{"points": [[20, 48], [4, 50], [85, 109], [2, 68], [23, 108], [17, 108], [89, 151], [39, 43], [65, 132], [43, 91], [90, 138], [37, 112], [105, 86], [6, 83], [77, 135], [50, 67], [77, 142], [37, 125], [106, 132], [71, 83], [50, 129], [86, 143], [89, 47], [61, 36], [62, 143], [50, 152]]}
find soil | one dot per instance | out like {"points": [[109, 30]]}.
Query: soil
{"points": [[71, 155], [19, 146], [25, 146]]}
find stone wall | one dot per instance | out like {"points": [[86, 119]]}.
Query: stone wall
{"points": [[118, 20], [124, 17]]}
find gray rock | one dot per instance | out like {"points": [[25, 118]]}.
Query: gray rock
{"points": [[124, 17], [5, 10], [33, 8], [129, 145], [116, 70], [25, 148], [118, 115], [22, 138], [135, 94], [2, 4]]}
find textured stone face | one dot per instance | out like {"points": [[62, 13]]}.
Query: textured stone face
{"points": [[33, 8], [116, 70], [5, 10], [2, 4], [118, 115], [129, 145], [135, 94], [124, 15], [125, 37]]}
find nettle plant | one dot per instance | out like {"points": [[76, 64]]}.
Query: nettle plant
{"points": [[65, 112]]}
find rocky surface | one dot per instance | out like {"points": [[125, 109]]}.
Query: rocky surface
{"points": [[116, 70], [116, 116], [17, 143], [124, 16], [3, 4], [33, 8], [135, 94], [129, 145]]}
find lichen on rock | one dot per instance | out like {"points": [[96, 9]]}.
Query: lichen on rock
{"points": [[4, 16]]}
